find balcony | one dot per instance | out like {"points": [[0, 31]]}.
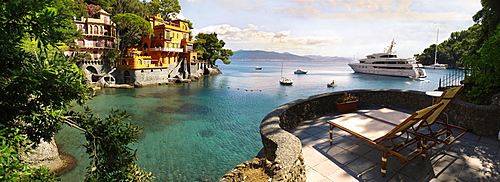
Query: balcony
{"points": [[166, 49], [138, 62]]}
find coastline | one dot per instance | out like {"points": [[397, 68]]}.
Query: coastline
{"points": [[68, 163]]}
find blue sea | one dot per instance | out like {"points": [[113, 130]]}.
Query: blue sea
{"points": [[199, 131]]}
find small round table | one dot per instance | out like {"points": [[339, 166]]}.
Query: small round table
{"points": [[434, 93]]}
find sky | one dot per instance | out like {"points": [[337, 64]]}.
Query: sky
{"points": [[345, 28]]}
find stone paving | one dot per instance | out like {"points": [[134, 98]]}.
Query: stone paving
{"points": [[471, 158]]}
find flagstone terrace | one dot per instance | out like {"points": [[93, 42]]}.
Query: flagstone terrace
{"points": [[295, 140]]}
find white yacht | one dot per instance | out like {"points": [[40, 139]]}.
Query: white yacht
{"points": [[388, 64]]}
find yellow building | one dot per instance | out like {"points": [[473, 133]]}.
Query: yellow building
{"points": [[164, 57], [170, 44]]}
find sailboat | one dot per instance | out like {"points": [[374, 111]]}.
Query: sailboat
{"points": [[436, 65], [285, 80]]}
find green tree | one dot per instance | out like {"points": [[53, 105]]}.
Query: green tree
{"points": [[485, 70], [131, 28], [449, 51], [127, 6], [37, 87], [479, 55], [474, 48], [112, 159], [167, 8], [210, 48], [119, 6]]}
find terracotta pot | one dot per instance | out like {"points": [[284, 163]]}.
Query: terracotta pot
{"points": [[347, 106]]}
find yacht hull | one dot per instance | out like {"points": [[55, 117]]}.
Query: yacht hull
{"points": [[387, 70]]}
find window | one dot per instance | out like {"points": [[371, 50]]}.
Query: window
{"points": [[388, 56]]}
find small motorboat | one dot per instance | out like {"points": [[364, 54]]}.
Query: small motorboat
{"points": [[300, 71], [331, 84], [258, 68]]}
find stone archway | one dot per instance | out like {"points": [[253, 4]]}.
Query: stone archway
{"points": [[93, 73]]}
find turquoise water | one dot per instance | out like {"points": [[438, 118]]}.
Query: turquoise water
{"points": [[201, 130]]}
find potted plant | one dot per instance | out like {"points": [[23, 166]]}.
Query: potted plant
{"points": [[347, 103]]}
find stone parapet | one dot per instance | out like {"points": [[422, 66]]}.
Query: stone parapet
{"points": [[284, 150]]}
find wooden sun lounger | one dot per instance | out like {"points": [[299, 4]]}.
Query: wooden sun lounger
{"points": [[442, 131], [390, 134]]}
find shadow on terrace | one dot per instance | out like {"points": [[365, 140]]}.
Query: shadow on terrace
{"points": [[296, 142]]}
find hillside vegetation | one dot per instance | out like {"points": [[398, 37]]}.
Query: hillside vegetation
{"points": [[475, 49]]}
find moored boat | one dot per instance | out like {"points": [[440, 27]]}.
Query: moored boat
{"points": [[436, 65], [300, 71], [286, 81], [331, 84], [389, 64]]}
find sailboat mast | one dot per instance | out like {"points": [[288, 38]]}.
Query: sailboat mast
{"points": [[436, 52], [281, 69]]}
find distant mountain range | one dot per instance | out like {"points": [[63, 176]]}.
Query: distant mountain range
{"points": [[249, 55]]}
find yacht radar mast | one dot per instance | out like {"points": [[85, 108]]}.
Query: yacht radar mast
{"points": [[388, 50]]}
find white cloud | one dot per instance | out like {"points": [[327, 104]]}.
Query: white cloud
{"points": [[331, 27], [422, 10], [412, 10], [252, 38]]}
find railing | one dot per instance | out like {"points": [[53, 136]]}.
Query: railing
{"points": [[453, 79], [166, 49]]}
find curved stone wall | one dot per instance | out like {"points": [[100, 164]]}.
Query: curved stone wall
{"points": [[283, 151]]}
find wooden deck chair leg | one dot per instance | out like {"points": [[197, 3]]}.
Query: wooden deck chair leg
{"points": [[424, 147], [448, 128], [383, 168], [331, 134]]}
